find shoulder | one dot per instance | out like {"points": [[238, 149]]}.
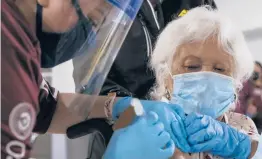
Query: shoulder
{"points": [[17, 32], [243, 124]]}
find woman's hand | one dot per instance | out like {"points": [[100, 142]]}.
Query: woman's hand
{"points": [[145, 138], [171, 115], [205, 134], [173, 118]]}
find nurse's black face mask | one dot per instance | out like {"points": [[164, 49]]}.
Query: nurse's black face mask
{"points": [[59, 47]]}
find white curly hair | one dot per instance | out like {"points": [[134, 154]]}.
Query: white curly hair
{"points": [[197, 25]]}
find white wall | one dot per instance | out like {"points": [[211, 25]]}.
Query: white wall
{"points": [[256, 49], [62, 77], [245, 13]]}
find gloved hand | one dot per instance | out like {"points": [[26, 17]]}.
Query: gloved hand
{"points": [[169, 114], [206, 134], [145, 138]]}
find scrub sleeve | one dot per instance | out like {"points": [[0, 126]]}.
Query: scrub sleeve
{"points": [[27, 101]]}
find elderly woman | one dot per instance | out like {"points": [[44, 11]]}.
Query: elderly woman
{"points": [[200, 62]]}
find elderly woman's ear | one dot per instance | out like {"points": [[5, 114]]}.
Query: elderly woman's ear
{"points": [[169, 87]]}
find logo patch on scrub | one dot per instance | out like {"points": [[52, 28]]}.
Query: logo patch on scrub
{"points": [[22, 120], [182, 13]]}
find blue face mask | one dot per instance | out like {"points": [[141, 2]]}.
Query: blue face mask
{"points": [[207, 93]]}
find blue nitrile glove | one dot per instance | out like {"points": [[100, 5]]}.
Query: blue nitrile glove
{"points": [[145, 138], [169, 114], [206, 134]]}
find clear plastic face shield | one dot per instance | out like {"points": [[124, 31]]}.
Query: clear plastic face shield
{"points": [[94, 43]]}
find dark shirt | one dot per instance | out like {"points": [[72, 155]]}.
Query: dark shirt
{"points": [[27, 101]]}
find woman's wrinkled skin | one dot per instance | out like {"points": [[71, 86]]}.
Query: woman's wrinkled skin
{"points": [[201, 56]]}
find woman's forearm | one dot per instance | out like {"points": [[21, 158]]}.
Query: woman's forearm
{"points": [[73, 108]]}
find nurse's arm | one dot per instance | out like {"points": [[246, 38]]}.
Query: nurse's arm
{"points": [[65, 116]]}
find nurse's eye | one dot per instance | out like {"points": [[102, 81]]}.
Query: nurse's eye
{"points": [[218, 69], [193, 67]]}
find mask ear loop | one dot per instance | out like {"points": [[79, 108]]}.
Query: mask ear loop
{"points": [[39, 12], [168, 94]]}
